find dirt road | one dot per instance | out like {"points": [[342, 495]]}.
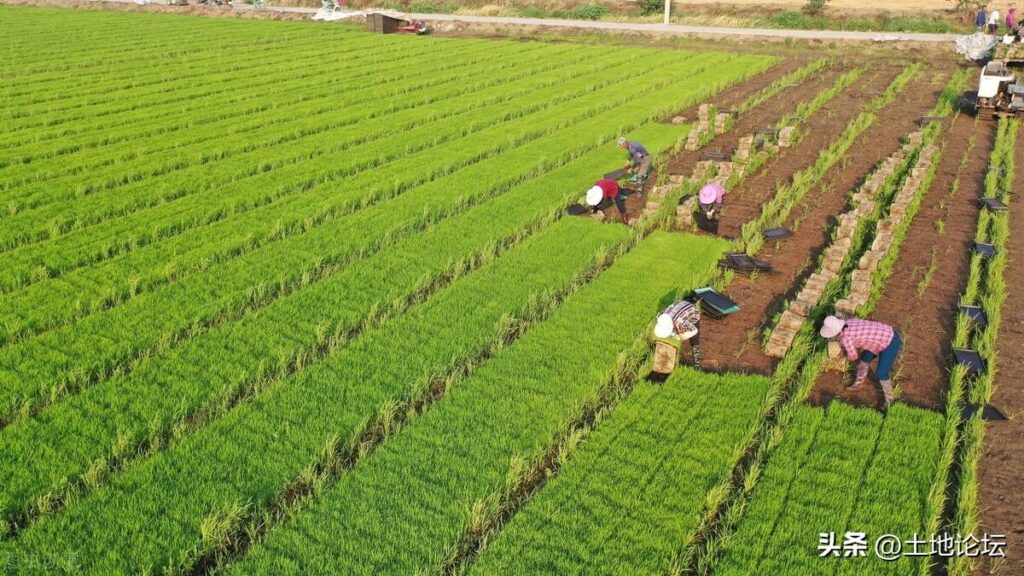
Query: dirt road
{"points": [[439, 20]]}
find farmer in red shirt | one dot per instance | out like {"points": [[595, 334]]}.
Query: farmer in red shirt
{"points": [[607, 189], [866, 340]]}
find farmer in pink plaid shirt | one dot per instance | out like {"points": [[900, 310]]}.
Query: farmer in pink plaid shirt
{"points": [[866, 340]]}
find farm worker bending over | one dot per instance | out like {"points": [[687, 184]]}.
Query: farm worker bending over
{"points": [[639, 159], [607, 189], [866, 340], [1011, 20], [711, 197], [993, 22], [681, 320]]}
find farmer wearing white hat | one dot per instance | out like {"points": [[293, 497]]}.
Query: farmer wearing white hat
{"points": [[681, 320], [639, 159], [866, 340], [607, 189], [711, 197]]}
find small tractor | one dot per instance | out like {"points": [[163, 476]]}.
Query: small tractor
{"points": [[1000, 90]]}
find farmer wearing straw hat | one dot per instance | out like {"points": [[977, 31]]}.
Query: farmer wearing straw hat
{"points": [[607, 189], [681, 320], [711, 197], [639, 160], [866, 340]]}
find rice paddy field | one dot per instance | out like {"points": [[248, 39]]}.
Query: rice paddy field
{"points": [[292, 298]]}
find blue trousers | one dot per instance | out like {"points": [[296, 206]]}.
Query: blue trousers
{"points": [[886, 357]]}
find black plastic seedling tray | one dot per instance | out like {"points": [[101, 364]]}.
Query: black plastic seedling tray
{"points": [[615, 174], [993, 204], [717, 156], [988, 412], [971, 359], [744, 264], [975, 314], [714, 304], [577, 210], [929, 119], [777, 233], [986, 250]]}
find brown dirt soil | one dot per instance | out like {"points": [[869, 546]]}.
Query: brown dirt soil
{"points": [[1001, 470], [745, 202], [768, 113], [926, 320], [736, 344]]}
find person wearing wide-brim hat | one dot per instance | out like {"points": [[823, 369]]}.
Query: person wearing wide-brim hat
{"points": [[711, 198], [866, 340], [607, 189], [681, 320]]}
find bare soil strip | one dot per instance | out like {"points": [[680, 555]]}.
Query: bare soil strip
{"points": [[1001, 469], [920, 298], [767, 113], [735, 344], [746, 202]]}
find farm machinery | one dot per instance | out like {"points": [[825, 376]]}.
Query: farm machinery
{"points": [[1000, 90]]}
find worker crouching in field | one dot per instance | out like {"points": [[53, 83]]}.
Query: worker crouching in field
{"points": [[709, 200], [608, 189], [639, 164], [711, 197], [865, 340], [681, 320]]}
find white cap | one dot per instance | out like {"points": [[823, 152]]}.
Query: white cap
{"points": [[832, 327], [622, 140], [594, 196], [664, 327]]}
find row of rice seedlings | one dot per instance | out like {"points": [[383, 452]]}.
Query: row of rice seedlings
{"points": [[444, 476], [130, 426], [277, 117], [42, 53], [122, 96], [645, 472], [276, 441], [986, 287], [190, 419], [110, 282], [228, 287], [295, 166]]}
